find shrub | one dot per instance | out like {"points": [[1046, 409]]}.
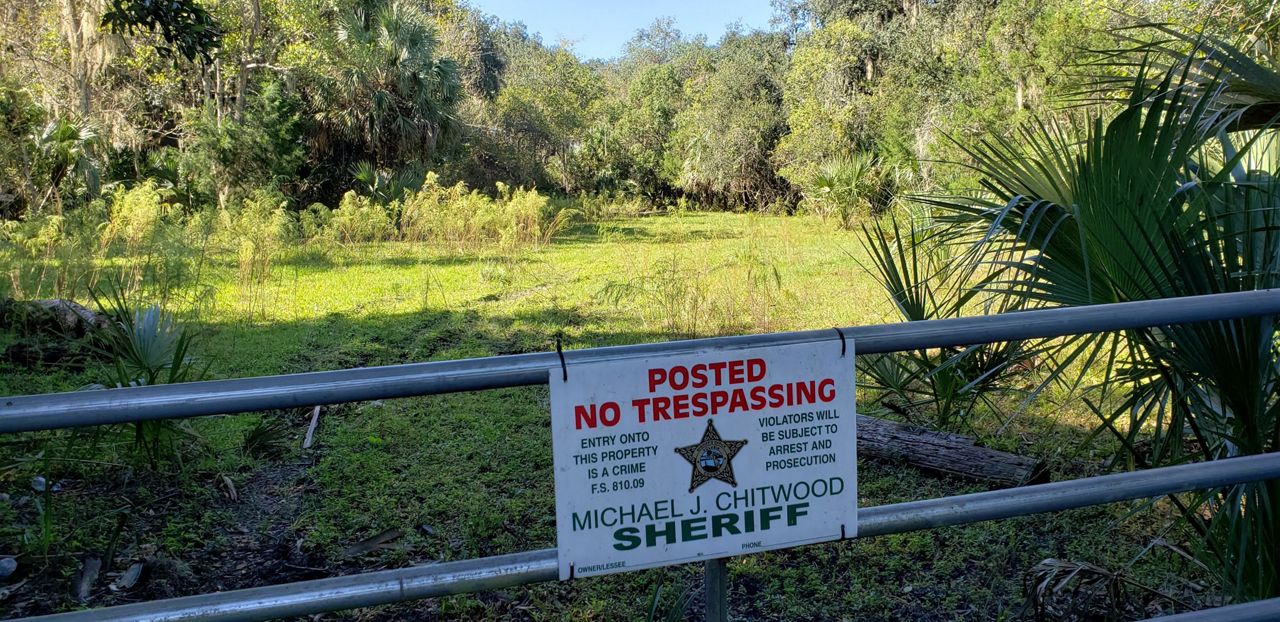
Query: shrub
{"points": [[144, 247], [358, 219], [434, 211], [135, 217], [848, 189], [256, 234], [45, 253], [463, 219], [313, 221], [519, 216], [134, 239], [260, 146]]}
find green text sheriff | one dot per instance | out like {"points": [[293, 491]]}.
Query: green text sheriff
{"points": [[714, 526]]}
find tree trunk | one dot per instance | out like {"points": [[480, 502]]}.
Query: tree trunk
{"points": [[912, 10], [242, 77], [219, 97], [79, 37]]}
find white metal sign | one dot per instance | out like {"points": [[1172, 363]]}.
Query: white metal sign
{"points": [[673, 459]]}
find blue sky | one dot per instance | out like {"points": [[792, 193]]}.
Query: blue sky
{"points": [[600, 28]]}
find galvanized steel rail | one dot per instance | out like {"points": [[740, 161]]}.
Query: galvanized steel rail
{"points": [[1257, 611], [63, 410], [503, 571]]}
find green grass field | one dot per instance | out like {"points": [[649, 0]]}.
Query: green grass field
{"points": [[458, 476]]}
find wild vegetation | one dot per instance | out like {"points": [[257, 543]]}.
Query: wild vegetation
{"points": [[247, 187]]}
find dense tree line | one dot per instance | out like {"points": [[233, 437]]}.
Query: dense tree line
{"points": [[841, 103]]}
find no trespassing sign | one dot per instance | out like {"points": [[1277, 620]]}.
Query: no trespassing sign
{"points": [[673, 459]]}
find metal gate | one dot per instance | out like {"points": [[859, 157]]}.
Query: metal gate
{"points": [[64, 410]]}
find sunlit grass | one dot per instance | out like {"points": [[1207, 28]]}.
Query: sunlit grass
{"points": [[467, 475]]}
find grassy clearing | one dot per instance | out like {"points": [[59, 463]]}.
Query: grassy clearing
{"points": [[469, 474]]}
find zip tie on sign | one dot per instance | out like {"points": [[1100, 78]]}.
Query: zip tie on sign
{"points": [[564, 368], [844, 346]]}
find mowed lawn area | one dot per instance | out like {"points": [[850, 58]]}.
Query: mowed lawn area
{"points": [[410, 481]]}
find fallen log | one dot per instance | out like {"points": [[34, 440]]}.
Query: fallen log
{"points": [[55, 315], [49, 332], [945, 453]]}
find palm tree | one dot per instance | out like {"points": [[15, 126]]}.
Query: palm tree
{"points": [[67, 148], [1176, 195], [389, 94]]}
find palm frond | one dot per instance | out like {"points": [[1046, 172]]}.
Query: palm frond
{"points": [[1167, 198]]}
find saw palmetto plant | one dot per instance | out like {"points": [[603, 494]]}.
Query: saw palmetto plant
{"points": [[1177, 194], [919, 268], [146, 346]]}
